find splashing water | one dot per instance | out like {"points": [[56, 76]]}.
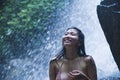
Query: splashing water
{"points": [[79, 13]]}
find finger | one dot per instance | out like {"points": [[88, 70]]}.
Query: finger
{"points": [[73, 74], [70, 73], [76, 71]]}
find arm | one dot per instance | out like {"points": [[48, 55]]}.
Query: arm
{"points": [[52, 71], [91, 68]]}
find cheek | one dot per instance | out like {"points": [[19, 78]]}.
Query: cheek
{"points": [[77, 42], [75, 39]]}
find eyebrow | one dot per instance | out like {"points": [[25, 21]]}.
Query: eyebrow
{"points": [[70, 32]]}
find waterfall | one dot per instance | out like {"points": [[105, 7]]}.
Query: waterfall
{"points": [[78, 13], [82, 14]]}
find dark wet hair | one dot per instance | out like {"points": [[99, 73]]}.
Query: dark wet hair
{"points": [[81, 49]]}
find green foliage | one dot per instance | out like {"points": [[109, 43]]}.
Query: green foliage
{"points": [[21, 21]]}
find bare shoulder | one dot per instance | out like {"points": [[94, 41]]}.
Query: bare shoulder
{"points": [[52, 61], [89, 59]]}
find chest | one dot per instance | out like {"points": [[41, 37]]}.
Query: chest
{"points": [[68, 66], [64, 67]]}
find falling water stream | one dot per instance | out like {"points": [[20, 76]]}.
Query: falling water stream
{"points": [[79, 13]]}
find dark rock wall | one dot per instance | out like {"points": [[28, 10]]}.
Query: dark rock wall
{"points": [[109, 17]]}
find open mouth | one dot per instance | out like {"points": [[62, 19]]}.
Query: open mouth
{"points": [[67, 41]]}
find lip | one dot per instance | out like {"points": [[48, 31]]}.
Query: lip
{"points": [[67, 40]]}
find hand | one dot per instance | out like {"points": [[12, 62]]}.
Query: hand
{"points": [[77, 75], [74, 75]]}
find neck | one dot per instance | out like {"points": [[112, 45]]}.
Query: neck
{"points": [[71, 53]]}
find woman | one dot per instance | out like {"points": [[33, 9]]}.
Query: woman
{"points": [[72, 63]]}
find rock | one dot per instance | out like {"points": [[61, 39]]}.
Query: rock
{"points": [[109, 16]]}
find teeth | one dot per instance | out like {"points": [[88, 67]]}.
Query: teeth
{"points": [[67, 40]]}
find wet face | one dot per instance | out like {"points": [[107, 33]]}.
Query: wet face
{"points": [[70, 38]]}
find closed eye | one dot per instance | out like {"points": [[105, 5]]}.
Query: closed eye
{"points": [[71, 33]]}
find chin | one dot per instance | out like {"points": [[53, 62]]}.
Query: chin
{"points": [[67, 44]]}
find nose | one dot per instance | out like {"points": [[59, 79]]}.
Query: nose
{"points": [[68, 36]]}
